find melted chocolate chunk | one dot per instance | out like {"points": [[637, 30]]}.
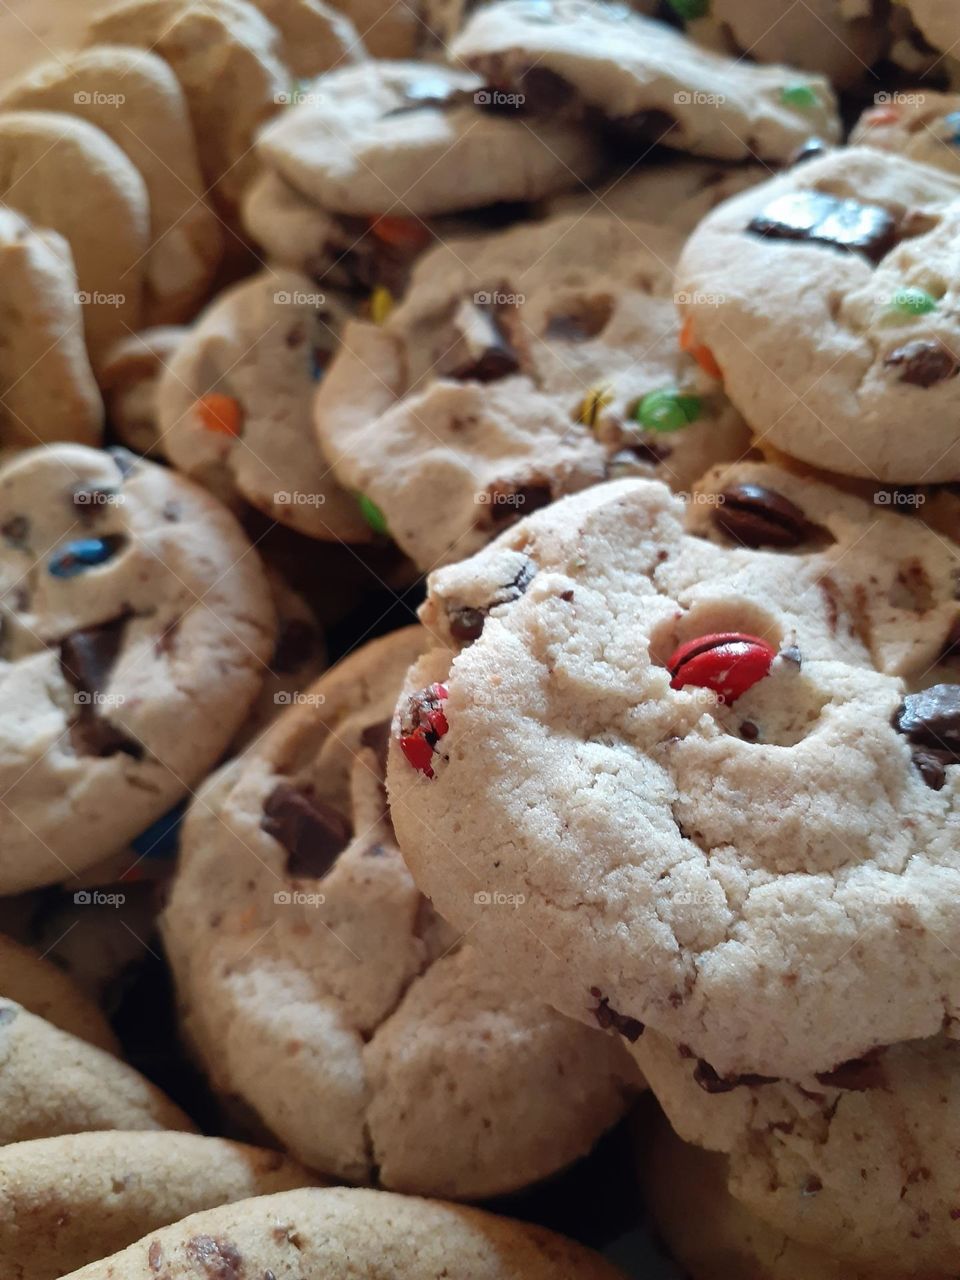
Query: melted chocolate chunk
{"points": [[91, 735], [923, 363], [756, 516], [296, 645], [630, 1028], [466, 624], [858, 1075], [215, 1259], [708, 1079], [313, 833], [87, 657], [931, 718], [818, 218], [586, 318]]}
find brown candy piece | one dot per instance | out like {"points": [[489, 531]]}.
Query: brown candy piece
{"points": [[817, 218], [923, 363], [313, 833], [756, 516]]}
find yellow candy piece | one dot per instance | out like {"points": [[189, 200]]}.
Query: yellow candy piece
{"points": [[592, 405], [381, 304]]}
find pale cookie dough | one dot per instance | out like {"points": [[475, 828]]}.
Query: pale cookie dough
{"points": [[30, 980], [343, 1234], [722, 1240], [65, 174], [315, 36], [47, 388], [514, 372], [73, 1199], [227, 58], [137, 630], [827, 299], [939, 22], [838, 38], [129, 376], [52, 1083], [234, 404], [859, 1162], [569, 58], [134, 97], [407, 1059], [923, 126], [414, 138], [770, 881]]}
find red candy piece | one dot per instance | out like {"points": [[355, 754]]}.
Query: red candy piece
{"points": [[407, 234], [424, 724], [728, 662]]}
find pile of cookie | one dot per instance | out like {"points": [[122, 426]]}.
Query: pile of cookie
{"points": [[624, 341]]}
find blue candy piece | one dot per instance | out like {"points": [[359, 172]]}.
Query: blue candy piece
{"points": [[318, 363], [952, 121], [77, 557], [161, 838]]}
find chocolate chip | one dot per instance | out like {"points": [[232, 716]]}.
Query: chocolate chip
{"points": [[376, 737], [466, 624], [87, 657], [586, 318], [931, 718], [91, 735], [923, 363], [709, 1080], [812, 149], [313, 833], [16, 531], [216, 1259], [296, 645], [818, 218], [749, 731], [544, 91], [756, 516], [155, 1256], [858, 1074], [630, 1028]]}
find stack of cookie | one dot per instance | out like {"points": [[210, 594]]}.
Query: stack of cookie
{"points": [[623, 341]]}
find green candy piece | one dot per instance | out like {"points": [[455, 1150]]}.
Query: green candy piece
{"points": [[690, 9], [372, 514], [668, 410], [913, 302], [798, 95]]}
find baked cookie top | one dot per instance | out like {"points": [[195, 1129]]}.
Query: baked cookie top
{"points": [[692, 740], [826, 298]]}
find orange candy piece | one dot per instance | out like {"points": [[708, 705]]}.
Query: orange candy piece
{"points": [[220, 413], [401, 233], [703, 355]]}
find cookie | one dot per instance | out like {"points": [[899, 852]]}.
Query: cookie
{"points": [[387, 30], [408, 1059], [314, 35], [47, 388], [839, 39], [520, 366], [69, 1200], [129, 376], [234, 404], [678, 193], [415, 139], [576, 58], [30, 980], [137, 630], [724, 1241], [46, 159], [923, 126], [937, 20], [824, 300], [703, 765], [857, 1162], [227, 58], [53, 1083], [340, 1233], [134, 98]]}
